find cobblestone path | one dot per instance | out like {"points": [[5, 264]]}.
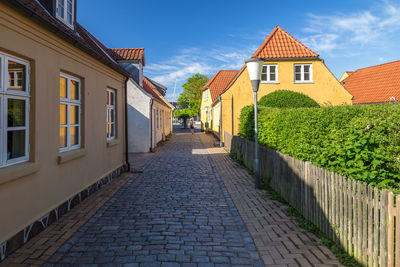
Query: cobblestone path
{"points": [[279, 240], [176, 213]]}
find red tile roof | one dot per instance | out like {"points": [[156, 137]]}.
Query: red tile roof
{"points": [[375, 84], [219, 82], [280, 44], [79, 37], [128, 54], [149, 87]]}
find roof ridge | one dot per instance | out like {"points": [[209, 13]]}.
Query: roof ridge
{"points": [[382, 64], [295, 48]]}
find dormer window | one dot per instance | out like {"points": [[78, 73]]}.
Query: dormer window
{"points": [[65, 12]]}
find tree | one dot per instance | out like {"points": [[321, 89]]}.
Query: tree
{"points": [[189, 100]]}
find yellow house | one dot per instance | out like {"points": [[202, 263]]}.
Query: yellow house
{"points": [[63, 111], [210, 104], [288, 65]]}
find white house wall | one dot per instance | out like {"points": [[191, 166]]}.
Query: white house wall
{"points": [[138, 119], [162, 121]]}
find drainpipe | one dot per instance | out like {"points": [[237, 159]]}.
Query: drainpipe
{"points": [[220, 122], [126, 126], [151, 125]]}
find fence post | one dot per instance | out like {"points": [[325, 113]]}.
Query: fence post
{"points": [[390, 227]]}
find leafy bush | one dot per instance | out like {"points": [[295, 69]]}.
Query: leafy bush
{"points": [[287, 99], [360, 142]]}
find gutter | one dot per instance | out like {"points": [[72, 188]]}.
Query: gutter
{"points": [[126, 125], [220, 122]]}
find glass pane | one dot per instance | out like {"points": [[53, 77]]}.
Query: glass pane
{"points": [[112, 116], [16, 112], [16, 76], [108, 130], [297, 69], [264, 69], [108, 97], [263, 77], [306, 76], [63, 87], [69, 6], [272, 69], [74, 90], [112, 99], [306, 68], [74, 115], [112, 134], [74, 135], [272, 77], [63, 114], [69, 18], [15, 144], [63, 136], [298, 77]]}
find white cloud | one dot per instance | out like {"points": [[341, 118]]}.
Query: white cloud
{"points": [[196, 60], [341, 31]]}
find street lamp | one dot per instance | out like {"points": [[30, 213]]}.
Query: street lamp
{"points": [[254, 67]]}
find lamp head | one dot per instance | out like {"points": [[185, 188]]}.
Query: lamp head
{"points": [[254, 67]]}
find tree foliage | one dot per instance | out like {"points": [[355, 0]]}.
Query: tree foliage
{"points": [[189, 100]]}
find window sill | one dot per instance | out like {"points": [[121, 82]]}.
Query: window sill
{"points": [[16, 171], [71, 155], [112, 142], [304, 82], [264, 82]]}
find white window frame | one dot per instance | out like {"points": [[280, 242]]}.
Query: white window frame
{"points": [[302, 73], [71, 102], [5, 94], [64, 19], [111, 107], [268, 71]]}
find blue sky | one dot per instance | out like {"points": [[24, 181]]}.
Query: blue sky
{"points": [[185, 37]]}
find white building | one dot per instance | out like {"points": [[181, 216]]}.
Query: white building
{"points": [[149, 113]]}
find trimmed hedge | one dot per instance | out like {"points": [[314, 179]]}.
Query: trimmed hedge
{"points": [[287, 99], [360, 142]]}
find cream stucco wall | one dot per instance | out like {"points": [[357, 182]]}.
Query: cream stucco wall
{"points": [[162, 125], [216, 110], [325, 89], [205, 108], [26, 199]]}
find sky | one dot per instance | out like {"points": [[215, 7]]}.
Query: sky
{"points": [[184, 37]]}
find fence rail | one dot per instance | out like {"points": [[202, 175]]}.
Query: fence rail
{"points": [[362, 219]]}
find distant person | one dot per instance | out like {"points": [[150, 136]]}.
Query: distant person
{"points": [[192, 126]]}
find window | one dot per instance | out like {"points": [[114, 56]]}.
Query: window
{"points": [[110, 114], [269, 74], [302, 73], [70, 112], [65, 12], [14, 109]]}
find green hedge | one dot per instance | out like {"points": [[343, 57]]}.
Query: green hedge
{"points": [[287, 99], [360, 142]]}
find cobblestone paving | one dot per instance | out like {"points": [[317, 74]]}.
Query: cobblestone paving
{"points": [[176, 213], [279, 240]]}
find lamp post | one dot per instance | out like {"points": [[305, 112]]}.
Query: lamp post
{"points": [[254, 67]]}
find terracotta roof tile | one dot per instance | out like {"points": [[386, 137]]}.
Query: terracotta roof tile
{"points": [[375, 84], [127, 54], [219, 82], [280, 44], [150, 88]]}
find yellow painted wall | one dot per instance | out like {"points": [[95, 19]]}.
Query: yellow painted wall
{"points": [[26, 199], [344, 76], [206, 102], [215, 117], [325, 89]]}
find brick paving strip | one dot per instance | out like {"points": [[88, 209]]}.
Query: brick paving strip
{"points": [[279, 240]]}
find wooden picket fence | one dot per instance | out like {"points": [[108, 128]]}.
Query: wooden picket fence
{"points": [[362, 219]]}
